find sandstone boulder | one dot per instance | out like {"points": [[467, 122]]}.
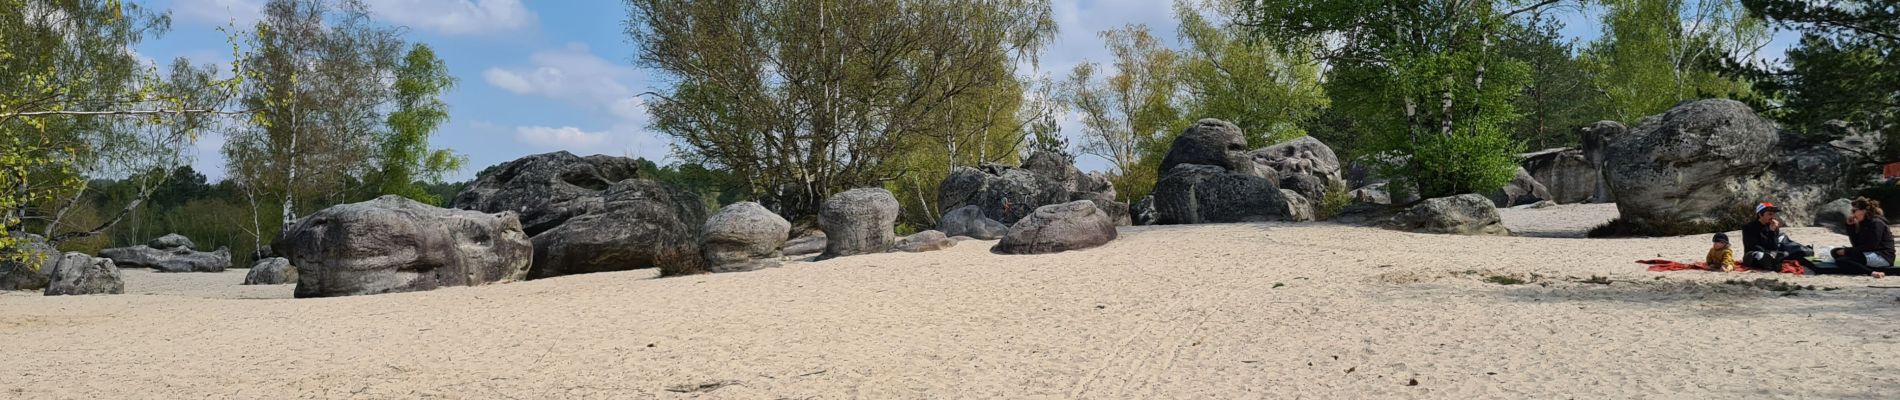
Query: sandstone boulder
{"points": [[1523, 189], [1694, 165], [1196, 194], [811, 242], [743, 237], [970, 221], [1057, 228], [175, 259], [1833, 215], [545, 190], [1567, 174], [924, 241], [1304, 165], [640, 224], [1210, 142], [1596, 142], [858, 221], [28, 264], [393, 244], [172, 241], [1468, 214], [80, 274], [1143, 212], [271, 271], [1006, 193]]}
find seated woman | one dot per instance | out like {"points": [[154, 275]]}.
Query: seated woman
{"points": [[1871, 248]]}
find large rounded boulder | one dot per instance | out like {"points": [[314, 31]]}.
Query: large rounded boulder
{"points": [[1210, 142], [271, 271], [743, 237], [1197, 194], [1468, 214], [545, 190], [27, 265], [858, 221], [641, 224], [969, 221], [81, 274], [393, 244], [1057, 228], [1694, 165]]}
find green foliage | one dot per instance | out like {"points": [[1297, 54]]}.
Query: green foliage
{"points": [[1336, 199], [1846, 67], [1433, 107], [1655, 54], [716, 187], [1265, 90], [805, 98], [1559, 98], [404, 155], [1127, 114]]}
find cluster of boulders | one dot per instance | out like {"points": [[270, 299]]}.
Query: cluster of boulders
{"points": [[1007, 194], [1208, 176], [33, 264], [1704, 164], [170, 253], [592, 214]]}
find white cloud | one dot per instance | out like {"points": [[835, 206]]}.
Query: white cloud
{"points": [[456, 17], [566, 137], [625, 139], [575, 75], [220, 12]]}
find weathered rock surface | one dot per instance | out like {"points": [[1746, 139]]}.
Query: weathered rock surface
{"points": [[640, 224], [1522, 190], [1298, 207], [1304, 165], [924, 241], [271, 271], [743, 237], [858, 221], [28, 265], [1196, 194], [1210, 142], [1596, 141], [1833, 215], [1694, 165], [1468, 214], [176, 259], [80, 274], [545, 190], [970, 221], [812, 242], [172, 241], [393, 244], [1057, 228], [1006, 193], [1567, 174], [1143, 212]]}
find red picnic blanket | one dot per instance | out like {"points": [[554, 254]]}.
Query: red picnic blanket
{"points": [[1787, 267]]}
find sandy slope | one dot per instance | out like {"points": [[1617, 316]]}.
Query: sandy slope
{"points": [[1216, 311]]}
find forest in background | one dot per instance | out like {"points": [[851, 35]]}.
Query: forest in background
{"points": [[807, 98]]}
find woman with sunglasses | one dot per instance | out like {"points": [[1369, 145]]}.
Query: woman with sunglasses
{"points": [[1871, 249]]}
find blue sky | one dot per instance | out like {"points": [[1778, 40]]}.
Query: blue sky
{"points": [[543, 75]]}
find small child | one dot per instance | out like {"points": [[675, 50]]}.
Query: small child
{"points": [[1721, 257]]}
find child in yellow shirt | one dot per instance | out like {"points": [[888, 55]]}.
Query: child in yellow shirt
{"points": [[1721, 257]]}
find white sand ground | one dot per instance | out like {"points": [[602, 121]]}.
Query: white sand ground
{"points": [[1217, 311]]}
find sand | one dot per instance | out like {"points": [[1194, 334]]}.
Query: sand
{"points": [[1212, 311]]}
